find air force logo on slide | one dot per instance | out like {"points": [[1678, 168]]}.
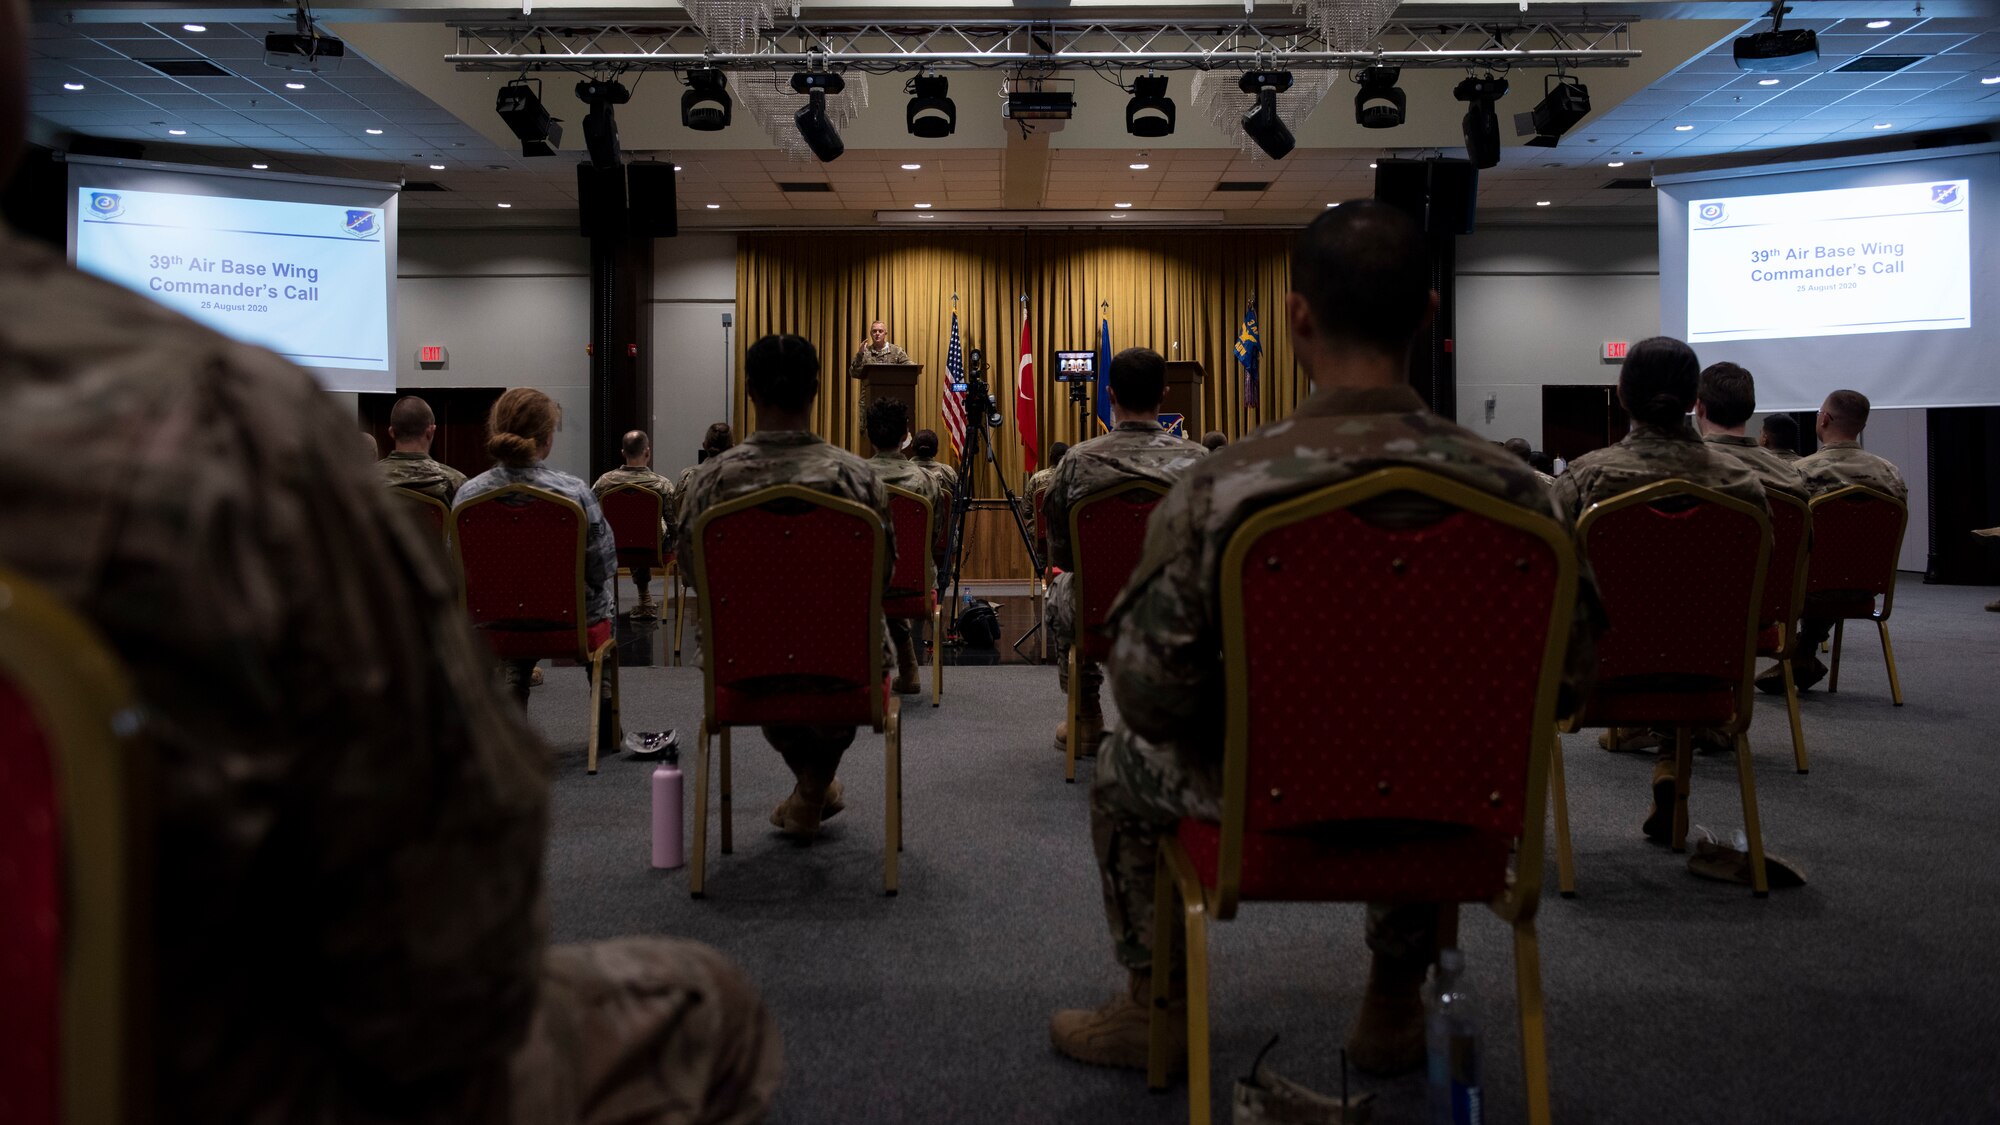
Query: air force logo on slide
{"points": [[1944, 195], [361, 224], [105, 205], [1711, 212]]}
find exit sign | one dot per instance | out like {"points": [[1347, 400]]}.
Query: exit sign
{"points": [[1615, 349], [431, 353]]}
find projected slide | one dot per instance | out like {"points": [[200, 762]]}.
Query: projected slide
{"points": [[1894, 258], [307, 280]]}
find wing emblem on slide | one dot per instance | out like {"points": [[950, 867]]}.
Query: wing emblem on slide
{"points": [[1944, 195], [1711, 212], [105, 205], [361, 224]]}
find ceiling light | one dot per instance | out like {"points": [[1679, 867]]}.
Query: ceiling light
{"points": [[1683, 128], [1883, 124], [1380, 103], [814, 127], [1481, 125], [1138, 167], [373, 132], [911, 167], [261, 167], [1767, 81], [714, 206], [677, 167], [79, 85], [437, 167], [1877, 25], [503, 205], [921, 206], [706, 105], [1121, 206], [520, 106], [1777, 49], [1541, 203], [198, 27], [1150, 113], [1371, 164], [1262, 124], [295, 85], [1565, 101], [177, 132], [1333, 205], [1991, 81], [600, 127], [931, 113], [1615, 164]]}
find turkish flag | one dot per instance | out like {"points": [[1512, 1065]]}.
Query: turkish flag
{"points": [[1024, 401]]}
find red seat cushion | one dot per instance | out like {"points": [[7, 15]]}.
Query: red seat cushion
{"points": [[1840, 604], [1459, 865], [912, 607], [1646, 705], [31, 947], [754, 705], [539, 644]]}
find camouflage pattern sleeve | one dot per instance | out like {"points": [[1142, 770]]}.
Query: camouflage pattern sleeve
{"points": [[1166, 655], [600, 560]]}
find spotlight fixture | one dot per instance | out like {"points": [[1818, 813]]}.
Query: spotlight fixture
{"points": [[1262, 123], [520, 106], [811, 119], [1777, 49], [931, 114], [705, 106], [1150, 113], [600, 128], [1379, 104], [1565, 101], [1481, 124]]}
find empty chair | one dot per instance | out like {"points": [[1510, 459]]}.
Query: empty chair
{"points": [[1857, 538]]}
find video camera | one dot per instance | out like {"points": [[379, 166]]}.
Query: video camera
{"points": [[978, 396]]}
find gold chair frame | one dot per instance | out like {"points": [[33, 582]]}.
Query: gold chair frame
{"points": [[1177, 881], [884, 719], [426, 500], [1038, 578], [930, 588], [1788, 628], [594, 656], [1683, 736], [1881, 616], [1077, 511], [84, 703]]}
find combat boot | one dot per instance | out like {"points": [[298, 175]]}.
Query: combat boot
{"points": [[906, 664], [1090, 723], [1388, 1035], [799, 818], [1117, 1033], [1659, 826]]}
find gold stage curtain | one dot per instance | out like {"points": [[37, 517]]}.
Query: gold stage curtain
{"points": [[1181, 293]]}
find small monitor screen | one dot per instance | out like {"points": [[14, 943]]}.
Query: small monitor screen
{"points": [[1076, 367]]}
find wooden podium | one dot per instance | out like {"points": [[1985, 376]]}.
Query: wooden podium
{"points": [[890, 380], [1183, 395]]}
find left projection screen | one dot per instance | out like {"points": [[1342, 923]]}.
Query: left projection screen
{"points": [[302, 266]]}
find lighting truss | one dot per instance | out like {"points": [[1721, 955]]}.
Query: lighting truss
{"points": [[1292, 44]]}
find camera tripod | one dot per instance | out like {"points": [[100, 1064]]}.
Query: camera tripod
{"points": [[977, 438]]}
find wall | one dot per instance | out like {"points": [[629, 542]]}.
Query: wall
{"points": [[694, 285]]}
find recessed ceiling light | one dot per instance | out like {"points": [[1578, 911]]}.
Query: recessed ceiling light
{"points": [[437, 167], [677, 167], [177, 132], [1541, 203], [1371, 165], [261, 167], [1994, 80], [1883, 124], [922, 206], [1616, 164], [373, 132], [1877, 25], [1138, 167], [1767, 82], [1683, 128], [926, 216], [295, 85], [1121, 206], [204, 27], [503, 204], [79, 85], [715, 206], [911, 167]]}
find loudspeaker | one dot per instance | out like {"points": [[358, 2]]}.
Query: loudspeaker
{"points": [[1404, 185], [1442, 195], [653, 212], [600, 201]]}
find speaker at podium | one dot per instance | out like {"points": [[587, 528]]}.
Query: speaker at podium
{"points": [[896, 381]]}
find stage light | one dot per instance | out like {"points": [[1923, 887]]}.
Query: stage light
{"points": [[1777, 49], [931, 113], [1150, 113], [600, 128], [1481, 124], [813, 126], [1262, 123], [520, 106], [1565, 101], [1379, 104], [705, 107]]}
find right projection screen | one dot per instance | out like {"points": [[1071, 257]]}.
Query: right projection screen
{"points": [[1879, 273]]}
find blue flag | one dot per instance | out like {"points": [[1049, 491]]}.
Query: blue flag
{"points": [[1104, 372], [1247, 348]]}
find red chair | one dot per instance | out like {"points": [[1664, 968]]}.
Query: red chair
{"points": [[520, 550], [73, 844], [912, 592], [1681, 571], [1334, 632], [1857, 538], [636, 515], [428, 508], [789, 586], [1784, 594], [1107, 534]]}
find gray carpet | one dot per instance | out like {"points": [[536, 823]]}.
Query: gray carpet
{"points": [[1868, 996]]}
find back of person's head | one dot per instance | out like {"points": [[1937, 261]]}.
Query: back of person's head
{"points": [[1519, 447], [521, 422], [782, 372], [1139, 378], [1056, 452], [1846, 412], [718, 437], [924, 444], [888, 423], [1361, 268], [1781, 431], [1657, 382], [409, 418], [1728, 395], [635, 444], [1542, 462], [1214, 440]]}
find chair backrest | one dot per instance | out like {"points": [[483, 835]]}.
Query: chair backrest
{"points": [[1041, 526], [73, 938], [520, 552], [791, 590], [634, 514], [941, 534], [1681, 571], [429, 508], [1857, 538], [1342, 611], [914, 573], [1791, 546], [1107, 534]]}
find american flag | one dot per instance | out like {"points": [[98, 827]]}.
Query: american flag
{"points": [[954, 402]]}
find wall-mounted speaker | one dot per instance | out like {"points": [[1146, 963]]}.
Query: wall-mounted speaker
{"points": [[600, 201], [1442, 195], [653, 209]]}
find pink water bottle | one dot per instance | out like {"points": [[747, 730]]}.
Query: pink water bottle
{"points": [[667, 834]]}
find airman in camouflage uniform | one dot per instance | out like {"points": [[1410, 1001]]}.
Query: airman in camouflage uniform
{"points": [[888, 423], [877, 349], [638, 470], [923, 454], [1724, 401], [1136, 449], [782, 373], [350, 821], [413, 427], [1780, 435], [1364, 296], [1039, 481]]}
